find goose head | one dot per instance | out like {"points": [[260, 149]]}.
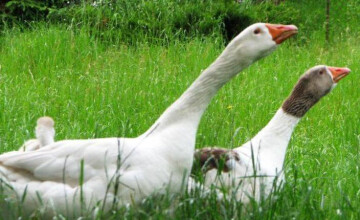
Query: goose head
{"points": [[320, 80], [257, 41], [45, 121], [311, 87]]}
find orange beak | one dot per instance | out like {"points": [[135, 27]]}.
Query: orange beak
{"points": [[281, 32], [338, 73]]}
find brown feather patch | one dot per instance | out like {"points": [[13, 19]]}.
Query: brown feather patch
{"points": [[209, 158]]}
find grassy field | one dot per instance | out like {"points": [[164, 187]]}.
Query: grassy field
{"points": [[92, 90]]}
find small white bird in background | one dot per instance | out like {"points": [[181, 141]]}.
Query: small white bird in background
{"points": [[71, 175], [45, 134], [255, 169]]}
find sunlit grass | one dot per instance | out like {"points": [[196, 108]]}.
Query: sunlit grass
{"points": [[93, 90]]}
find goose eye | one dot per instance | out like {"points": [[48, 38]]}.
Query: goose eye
{"points": [[321, 72], [257, 31]]}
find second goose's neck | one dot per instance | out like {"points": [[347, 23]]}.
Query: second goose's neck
{"points": [[286, 118], [268, 147], [281, 125]]}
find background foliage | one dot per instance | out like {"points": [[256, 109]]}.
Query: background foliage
{"points": [[164, 20]]}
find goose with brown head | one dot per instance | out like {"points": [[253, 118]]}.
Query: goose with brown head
{"points": [[311, 87], [253, 169]]}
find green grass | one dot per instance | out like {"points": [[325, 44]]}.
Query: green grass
{"points": [[92, 90]]}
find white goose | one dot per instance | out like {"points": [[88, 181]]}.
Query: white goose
{"points": [[72, 174], [45, 134], [263, 156]]}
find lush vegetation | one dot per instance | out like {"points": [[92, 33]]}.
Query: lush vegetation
{"points": [[96, 82], [163, 21]]}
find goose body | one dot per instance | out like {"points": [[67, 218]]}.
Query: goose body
{"points": [[72, 174], [255, 169], [45, 134]]}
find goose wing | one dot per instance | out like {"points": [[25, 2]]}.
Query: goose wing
{"points": [[64, 159], [30, 145]]}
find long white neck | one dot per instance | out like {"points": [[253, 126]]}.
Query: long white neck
{"points": [[270, 144], [193, 102], [281, 125]]}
